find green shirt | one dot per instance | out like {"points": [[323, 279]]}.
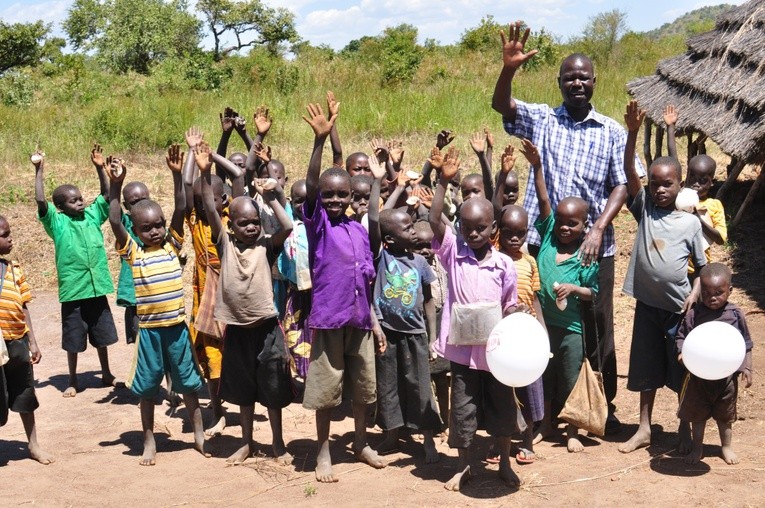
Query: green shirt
{"points": [[569, 271], [83, 270], [125, 286]]}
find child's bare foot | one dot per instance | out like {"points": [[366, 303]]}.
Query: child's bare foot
{"points": [[458, 480], [641, 439], [71, 391], [507, 475], [544, 431], [45, 458], [729, 456], [431, 454], [696, 454], [216, 429], [281, 455], [199, 445], [573, 445], [240, 455], [369, 456], [109, 380], [149, 452], [324, 473], [686, 441]]}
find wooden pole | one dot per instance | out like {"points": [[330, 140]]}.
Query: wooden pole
{"points": [[748, 199], [732, 177], [648, 127], [658, 140]]}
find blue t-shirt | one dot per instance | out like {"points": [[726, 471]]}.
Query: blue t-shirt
{"points": [[398, 298]]}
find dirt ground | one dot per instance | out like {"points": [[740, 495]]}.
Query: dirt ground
{"points": [[97, 441]]}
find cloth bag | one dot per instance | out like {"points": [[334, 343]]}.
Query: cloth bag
{"points": [[586, 406], [205, 321], [472, 323]]}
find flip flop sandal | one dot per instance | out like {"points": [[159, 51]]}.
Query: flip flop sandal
{"points": [[525, 456]]}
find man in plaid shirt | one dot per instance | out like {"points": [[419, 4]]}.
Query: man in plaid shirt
{"points": [[582, 155]]}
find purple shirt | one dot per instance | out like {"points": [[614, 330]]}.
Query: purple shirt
{"points": [[342, 271], [493, 281]]}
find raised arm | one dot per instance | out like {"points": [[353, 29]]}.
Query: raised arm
{"points": [[174, 160], [381, 151], [117, 173], [321, 127], [263, 121], [38, 160], [269, 188], [531, 153], [633, 117], [401, 182], [373, 214], [443, 138], [193, 138], [227, 126], [670, 118], [477, 143], [203, 160], [513, 57], [508, 162], [240, 125], [97, 158], [333, 108], [449, 166]]}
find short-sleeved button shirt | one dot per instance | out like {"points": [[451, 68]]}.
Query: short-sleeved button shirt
{"points": [[81, 262], [15, 294]]}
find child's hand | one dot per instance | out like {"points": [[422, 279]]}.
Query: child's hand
{"points": [[228, 119], [680, 358], [203, 157], [512, 46], [508, 160], [436, 159], [116, 169], [97, 156], [633, 116], [746, 376], [477, 142], [38, 159], [380, 149], [530, 151], [377, 169], [333, 107], [451, 164], [318, 122], [425, 194], [174, 158], [380, 343], [522, 307], [444, 138], [194, 137], [562, 291], [263, 185], [35, 355], [489, 138], [396, 150], [263, 152], [670, 115], [262, 120]]}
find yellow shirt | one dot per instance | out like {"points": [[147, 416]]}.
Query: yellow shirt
{"points": [[715, 214], [528, 280], [15, 294]]}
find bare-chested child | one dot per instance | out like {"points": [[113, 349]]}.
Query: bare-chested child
{"points": [[83, 273], [19, 338], [163, 343], [346, 333], [701, 399]]}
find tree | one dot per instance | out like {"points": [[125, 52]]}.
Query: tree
{"points": [[602, 33], [132, 34], [401, 55], [484, 37], [22, 44], [242, 19]]}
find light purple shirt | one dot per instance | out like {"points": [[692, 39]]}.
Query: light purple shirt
{"points": [[342, 271], [493, 281]]}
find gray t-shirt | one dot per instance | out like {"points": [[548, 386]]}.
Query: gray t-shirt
{"points": [[398, 299], [658, 271]]}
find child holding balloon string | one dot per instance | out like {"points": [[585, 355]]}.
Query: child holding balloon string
{"points": [[701, 399]]}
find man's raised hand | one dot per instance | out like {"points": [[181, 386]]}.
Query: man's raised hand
{"points": [[513, 45]]}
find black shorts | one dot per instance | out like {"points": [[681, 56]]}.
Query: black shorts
{"points": [[256, 366], [19, 378], [86, 320], [701, 399], [131, 323], [479, 401]]}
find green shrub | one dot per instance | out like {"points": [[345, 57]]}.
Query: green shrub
{"points": [[17, 88]]}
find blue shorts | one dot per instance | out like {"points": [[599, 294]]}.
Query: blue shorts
{"points": [[161, 350]]}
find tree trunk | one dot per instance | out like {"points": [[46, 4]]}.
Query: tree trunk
{"points": [[749, 198], [648, 127]]}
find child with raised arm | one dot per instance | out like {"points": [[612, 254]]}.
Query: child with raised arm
{"points": [[256, 364], [564, 283], [657, 279], [406, 312], [82, 268], [163, 343], [507, 182], [341, 316], [701, 399], [23, 353], [482, 289]]}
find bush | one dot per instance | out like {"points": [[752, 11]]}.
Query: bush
{"points": [[17, 88], [401, 54]]}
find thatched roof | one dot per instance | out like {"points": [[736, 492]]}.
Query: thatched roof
{"points": [[718, 86]]}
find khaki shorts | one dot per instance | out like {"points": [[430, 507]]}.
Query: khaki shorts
{"points": [[342, 363]]}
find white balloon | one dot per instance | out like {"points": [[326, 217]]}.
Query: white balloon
{"points": [[518, 350], [713, 350], [687, 199]]}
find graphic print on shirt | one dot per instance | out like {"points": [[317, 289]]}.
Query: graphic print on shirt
{"points": [[399, 293]]}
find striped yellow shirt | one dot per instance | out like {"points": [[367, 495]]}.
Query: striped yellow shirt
{"points": [[14, 296], [158, 285], [528, 280]]}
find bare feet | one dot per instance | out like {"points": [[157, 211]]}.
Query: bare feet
{"points": [[45, 458], [369, 456], [71, 391], [545, 430], [729, 456], [458, 481], [696, 454], [240, 455], [109, 380], [285, 459], [507, 475], [431, 454], [217, 428], [199, 445], [149, 452], [686, 442], [573, 445], [641, 439], [324, 473]]}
